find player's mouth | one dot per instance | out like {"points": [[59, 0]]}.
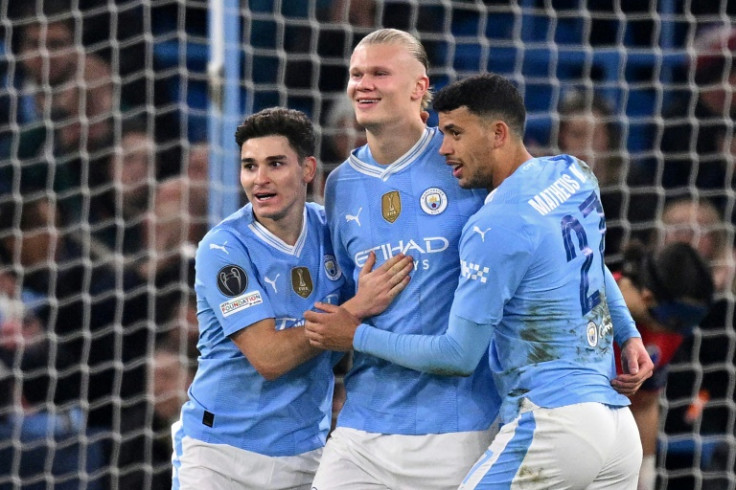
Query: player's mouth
{"points": [[457, 167], [364, 102], [263, 196]]}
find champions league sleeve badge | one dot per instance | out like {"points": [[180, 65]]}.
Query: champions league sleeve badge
{"points": [[433, 201], [232, 280]]}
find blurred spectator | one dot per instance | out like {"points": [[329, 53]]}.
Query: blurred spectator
{"points": [[118, 208], [341, 135], [97, 313], [179, 325], [668, 292], [589, 131], [700, 385], [34, 409], [699, 125], [53, 439], [199, 181], [73, 100], [699, 223], [170, 378], [172, 230], [19, 309], [357, 13]]}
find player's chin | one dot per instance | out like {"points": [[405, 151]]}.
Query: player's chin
{"points": [[464, 183]]}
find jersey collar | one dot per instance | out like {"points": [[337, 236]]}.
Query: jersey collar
{"points": [[383, 172], [272, 240]]}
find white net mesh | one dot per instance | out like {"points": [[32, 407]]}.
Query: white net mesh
{"points": [[103, 185]]}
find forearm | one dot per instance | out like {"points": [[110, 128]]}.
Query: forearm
{"points": [[623, 324], [456, 352], [289, 349], [274, 352]]}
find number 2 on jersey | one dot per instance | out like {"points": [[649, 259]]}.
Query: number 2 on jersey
{"points": [[571, 225]]}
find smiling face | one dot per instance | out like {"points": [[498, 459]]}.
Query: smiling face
{"points": [[467, 146], [273, 179], [386, 84]]}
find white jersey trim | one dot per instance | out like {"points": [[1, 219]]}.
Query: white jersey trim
{"points": [[272, 240], [384, 172]]}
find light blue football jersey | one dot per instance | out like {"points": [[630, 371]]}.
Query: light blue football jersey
{"points": [[414, 206], [532, 264], [245, 274]]}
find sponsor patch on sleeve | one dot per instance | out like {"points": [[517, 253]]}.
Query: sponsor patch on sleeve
{"points": [[241, 303]]}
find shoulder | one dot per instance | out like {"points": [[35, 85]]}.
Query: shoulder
{"points": [[316, 214], [228, 235]]}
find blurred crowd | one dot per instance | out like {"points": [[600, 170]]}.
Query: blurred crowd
{"points": [[104, 196]]}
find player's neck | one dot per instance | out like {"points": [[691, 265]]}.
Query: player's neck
{"points": [[389, 143], [287, 228], [511, 160]]}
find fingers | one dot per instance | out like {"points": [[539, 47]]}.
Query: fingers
{"points": [[625, 385], [369, 263], [392, 262], [399, 269]]}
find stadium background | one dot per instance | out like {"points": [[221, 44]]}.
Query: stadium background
{"points": [[180, 75]]}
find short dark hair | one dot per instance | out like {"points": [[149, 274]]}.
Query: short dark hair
{"points": [[294, 125], [486, 95], [675, 272]]}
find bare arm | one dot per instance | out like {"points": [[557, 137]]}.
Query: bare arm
{"points": [[273, 352]]}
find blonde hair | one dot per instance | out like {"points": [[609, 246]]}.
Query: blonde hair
{"points": [[397, 37]]}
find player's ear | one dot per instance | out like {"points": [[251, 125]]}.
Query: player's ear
{"points": [[500, 133], [421, 87], [309, 169]]}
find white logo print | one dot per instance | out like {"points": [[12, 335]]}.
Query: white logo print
{"points": [[482, 233], [355, 217], [272, 282], [474, 272], [214, 246]]}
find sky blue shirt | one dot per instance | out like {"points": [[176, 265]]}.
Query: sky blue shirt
{"points": [[245, 274], [533, 291], [414, 206], [532, 266]]}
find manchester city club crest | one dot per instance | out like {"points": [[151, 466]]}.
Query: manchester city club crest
{"points": [[391, 206], [592, 334], [433, 200], [301, 281], [331, 268]]}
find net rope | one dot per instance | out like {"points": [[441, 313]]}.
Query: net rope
{"points": [[104, 191]]}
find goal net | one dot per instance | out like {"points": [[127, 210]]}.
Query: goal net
{"points": [[117, 153]]}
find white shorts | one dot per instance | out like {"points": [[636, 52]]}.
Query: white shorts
{"points": [[584, 446], [358, 460], [200, 465]]}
